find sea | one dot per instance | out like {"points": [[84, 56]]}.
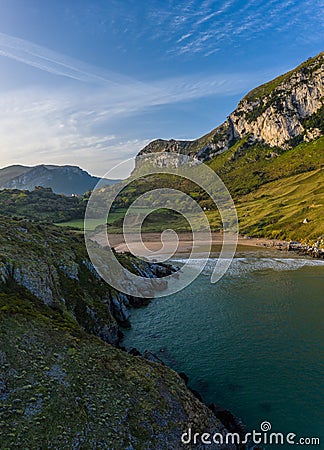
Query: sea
{"points": [[252, 343]]}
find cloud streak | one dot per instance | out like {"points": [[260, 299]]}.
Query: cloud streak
{"points": [[55, 63], [200, 27], [122, 94], [78, 123]]}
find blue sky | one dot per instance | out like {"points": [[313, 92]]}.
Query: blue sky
{"points": [[91, 82]]}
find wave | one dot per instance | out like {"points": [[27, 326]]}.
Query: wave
{"points": [[246, 265]]}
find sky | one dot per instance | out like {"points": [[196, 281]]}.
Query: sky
{"points": [[91, 82]]}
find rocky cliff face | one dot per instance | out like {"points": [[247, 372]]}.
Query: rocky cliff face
{"points": [[54, 267], [280, 113]]}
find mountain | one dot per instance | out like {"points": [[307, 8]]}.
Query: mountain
{"points": [[281, 113], [66, 180], [270, 154], [64, 383]]}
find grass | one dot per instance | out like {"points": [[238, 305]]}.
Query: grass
{"points": [[114, 219], [278, 209], [156, 222], [244, 169], [92, 224], [268, 88], [74, 391]]}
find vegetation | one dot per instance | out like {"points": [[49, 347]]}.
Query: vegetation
{"points": [[158, 221], [74, 391], [61, 385], [277, 210], [41, 205], [245, 167], [316, 120]]}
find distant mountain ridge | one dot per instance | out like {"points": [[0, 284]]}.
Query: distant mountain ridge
{"points": [[281, 113], [66, 179]]}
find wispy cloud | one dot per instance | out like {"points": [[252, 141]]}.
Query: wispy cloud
{"points": [[66, 124], [56, 63], [121, 94], [197, 27], [37, 128], [69, 125]]}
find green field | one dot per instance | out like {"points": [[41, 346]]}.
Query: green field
{"points": [[278, 209], [155, 222], [79, 224]]}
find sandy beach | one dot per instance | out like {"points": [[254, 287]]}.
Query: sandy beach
{"points": [[152, 242]]}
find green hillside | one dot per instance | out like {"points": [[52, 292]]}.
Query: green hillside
{"points": [[41, 204], [67, 390], [278, 209], [245, 167]]}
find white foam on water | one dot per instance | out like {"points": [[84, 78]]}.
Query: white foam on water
{"points": [[246, 265]]}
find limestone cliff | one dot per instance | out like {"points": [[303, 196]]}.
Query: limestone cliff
{"points": [[281, 113]]}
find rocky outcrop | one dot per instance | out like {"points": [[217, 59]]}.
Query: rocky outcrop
{"points": [[53, 266], [313, 249], [280, 113], [279, 116]]}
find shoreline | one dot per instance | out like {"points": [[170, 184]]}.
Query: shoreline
{"points": [[151, 243]]}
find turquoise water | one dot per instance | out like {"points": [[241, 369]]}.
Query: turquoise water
{"points": [[252, 343]]}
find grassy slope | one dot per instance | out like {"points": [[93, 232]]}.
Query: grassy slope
{"points": [[277, 209], [274, 195], [244, 169]]}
